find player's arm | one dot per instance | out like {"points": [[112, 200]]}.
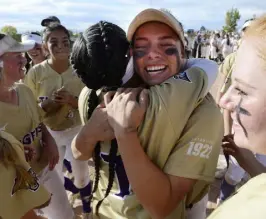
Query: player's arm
{"points": [[254, 167], [246, 158], [193, 158], [176, 98], [85, 141], [50, 146], [94, 129], [157, 191]]}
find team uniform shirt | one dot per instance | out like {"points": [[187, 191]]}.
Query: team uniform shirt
{"points": [[43, 81], [248, 202], [226, 69], [174, 140], [23, 121], [16, 203]]}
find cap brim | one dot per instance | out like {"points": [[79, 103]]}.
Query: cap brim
{"points": [[45, 21], [22, 47], [154, 15], [32, 41], [247, 24], [48, 20]]}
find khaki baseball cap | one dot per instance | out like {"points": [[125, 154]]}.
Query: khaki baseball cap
{"points": [[150, 15]]}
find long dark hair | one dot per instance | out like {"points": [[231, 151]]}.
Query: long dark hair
{"points": [[99, 58]]}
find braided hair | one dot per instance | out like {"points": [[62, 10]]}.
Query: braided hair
{"points": [[99, 55], [99, 58]]}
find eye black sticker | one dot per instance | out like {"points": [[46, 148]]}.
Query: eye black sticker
{"points": [[139, 54], [239, 110], [171, 51]]}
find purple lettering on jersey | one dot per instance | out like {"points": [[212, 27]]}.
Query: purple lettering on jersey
{"points": [[33, 133], [27, 139], [43, 98], [121, 175], [38, 130], [30, 137]]}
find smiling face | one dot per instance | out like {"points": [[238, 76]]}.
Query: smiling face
{"points": [[157, 52], [14, 66], [246, 98], [58, 45], [37, 54]]}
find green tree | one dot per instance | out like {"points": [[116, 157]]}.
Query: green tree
{"points": [[12, 31], [231, 18]]}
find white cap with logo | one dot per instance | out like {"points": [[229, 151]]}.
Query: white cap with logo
{"points": [[8, 44], [246, 24], [150, 15], [28, 37]]}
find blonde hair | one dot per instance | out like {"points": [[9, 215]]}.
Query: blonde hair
{"points": [[10, 158], [256, 35]]}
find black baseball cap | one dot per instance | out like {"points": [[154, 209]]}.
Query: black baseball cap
{"points": [[50, 19]]}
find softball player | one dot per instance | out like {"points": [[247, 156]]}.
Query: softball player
{"points": [[56, 89], [20, 116], [19, 187], [235, 173], [35, 55], [114, 197], [245, 99]]}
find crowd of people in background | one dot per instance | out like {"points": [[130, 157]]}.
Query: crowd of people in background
{"points": [[137, 105], [215, 45]]}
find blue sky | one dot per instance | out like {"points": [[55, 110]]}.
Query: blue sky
{"points": [[79, 14]]}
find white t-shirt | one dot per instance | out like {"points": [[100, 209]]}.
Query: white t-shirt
{"points": [[225, 47]]}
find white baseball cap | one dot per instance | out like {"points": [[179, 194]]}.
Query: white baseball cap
{"points": [[8, 44], [246, 24], [28, 37], [150, 15]]}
